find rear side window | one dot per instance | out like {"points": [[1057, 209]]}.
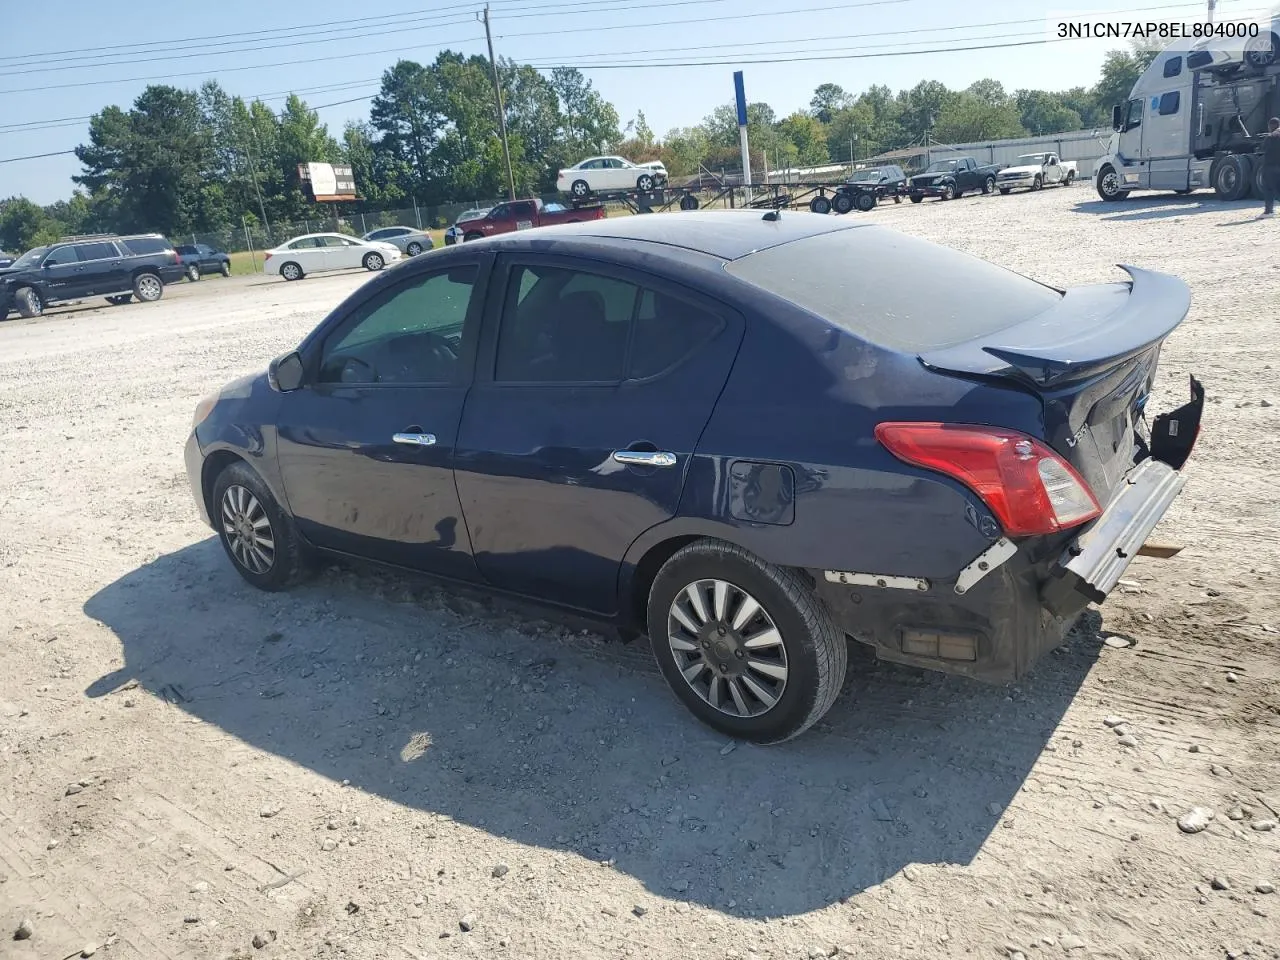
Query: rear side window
{"points": [[96, 251], [141, 246], [894, 290], [1173, 66], [187, 251], [1169, 103]]}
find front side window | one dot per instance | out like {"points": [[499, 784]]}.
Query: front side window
{"points": [[1134, 118], [409, 334], [332, 241], [61, 255]]}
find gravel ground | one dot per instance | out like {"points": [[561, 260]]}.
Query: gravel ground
{"points": [[373, 767]]}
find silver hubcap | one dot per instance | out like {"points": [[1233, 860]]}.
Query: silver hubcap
{"points": [[728, 648], [149, 288], [290, 272], [1110, 183], [248, 531], [375, 262]]}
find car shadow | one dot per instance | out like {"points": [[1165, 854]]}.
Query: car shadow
{"points": [[1160, 206], [542, 734]]}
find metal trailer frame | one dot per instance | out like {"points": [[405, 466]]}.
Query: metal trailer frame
{"points": [[769, 196]]}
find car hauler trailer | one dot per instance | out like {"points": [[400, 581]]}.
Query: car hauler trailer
{"points": [[1194, 119]]}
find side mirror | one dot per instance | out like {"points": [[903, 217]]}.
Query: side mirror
{"points": [[1115, 117], [285, 373]]}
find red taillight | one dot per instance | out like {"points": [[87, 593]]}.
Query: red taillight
{"points": [[174, 254], [266, 257], [1031, 490]]}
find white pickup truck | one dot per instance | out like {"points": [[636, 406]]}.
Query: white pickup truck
{"points": [[1036, 170]]}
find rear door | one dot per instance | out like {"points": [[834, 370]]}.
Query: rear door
{"points": [[102, 268], [593, 387]]}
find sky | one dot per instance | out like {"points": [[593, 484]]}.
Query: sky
{"points": [[80, 56]]}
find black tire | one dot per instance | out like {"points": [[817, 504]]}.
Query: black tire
{"points": [[289, 561], [989, 186], [1258, 187], [413, 249], [1004, 191], [291, 271], [225, 268], [1262, 51], [815, 650], [120, 299], [897, 198], [1037, 183], [1233, 177], [148, 287], [948, 192], [193, 272], [28, 302], [373, 262], [842, 203], [689, 202], [580, 189], [1071, 178], [472, 236], [865, 202], [1108, 185], [820, 205], [644, 183], [917, 198]]}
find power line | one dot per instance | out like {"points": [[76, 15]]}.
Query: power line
{"points": [[37, 156]]}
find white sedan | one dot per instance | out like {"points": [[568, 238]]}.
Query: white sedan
{"points": [[602, 174], [317, 252]]}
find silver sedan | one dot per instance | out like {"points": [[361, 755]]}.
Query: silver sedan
{"points": [[410, 241]]}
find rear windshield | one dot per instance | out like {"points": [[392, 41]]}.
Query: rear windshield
{"points": [[144, 245], [894, 290], [185, 251]]}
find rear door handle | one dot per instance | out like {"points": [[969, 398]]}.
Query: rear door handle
{"points": [[646, 458], [415, 439]]}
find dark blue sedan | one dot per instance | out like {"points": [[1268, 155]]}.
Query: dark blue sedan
{"points": [[751, 437]]}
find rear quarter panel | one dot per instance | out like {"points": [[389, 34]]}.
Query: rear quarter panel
{"points": [[808, 395]]}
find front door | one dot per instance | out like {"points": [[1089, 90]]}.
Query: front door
{"points": [[62, 275], [342, 253], [594, 388], [366, 447]]}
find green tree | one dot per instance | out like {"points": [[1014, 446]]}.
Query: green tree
{"points": [[808, 136], [1040, 111], [588, 122], [966, 118], [1120, 70], [408, 115], [827, 100], [23, 225]]}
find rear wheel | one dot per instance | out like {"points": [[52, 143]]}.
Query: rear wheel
{"points": [[29, 302], [746, 646], [1004, 191], [580, 189], [193, 272], [820, 205], [842, 203], [373, 262], [413, 249], [644, 183], [989, 186], [147, 287], [865, 202], [473, 236], [1233, 177], [258, 536], [688, 202], [1262, 51], [291, 271]]}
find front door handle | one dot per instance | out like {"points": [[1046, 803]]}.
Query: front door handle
{"points": [[646, 458], [415, 439]]}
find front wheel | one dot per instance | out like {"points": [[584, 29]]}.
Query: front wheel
{"points": [[29, 302], [820, 205], [747, 646], [917, 198], [1004, 191], [147, 287], [842, 203], [1071, 178], [373, 262], [644, 183], [948, 192], [120, 299], [255, 532], [193, 272], [1037, 183], [989, 186], [865, 202], [1109, 188], [225, 268]]}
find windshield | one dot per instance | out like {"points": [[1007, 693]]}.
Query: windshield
{"points": [[1030, 158], [869, 175], [31, 257], [187, 250], [942, 166], [965, 298]]}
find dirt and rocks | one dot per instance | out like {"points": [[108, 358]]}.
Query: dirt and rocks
{"points": [[371, 767]]}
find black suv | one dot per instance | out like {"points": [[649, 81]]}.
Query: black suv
{"points": [[200, 258], [867, 187], [102, 265]]}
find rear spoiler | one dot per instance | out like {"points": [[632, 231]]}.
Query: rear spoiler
{"points": [[1091, 329]]}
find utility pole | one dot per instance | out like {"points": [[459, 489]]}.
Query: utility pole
{"points": [[502, 113], [1212, 4]]}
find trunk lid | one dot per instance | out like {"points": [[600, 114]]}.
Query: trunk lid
{"points": [[1091, 359]]}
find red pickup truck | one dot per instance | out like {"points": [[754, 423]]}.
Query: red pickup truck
{"points": [[524, 215]]}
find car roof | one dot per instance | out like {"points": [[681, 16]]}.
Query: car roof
{"points": [[726, 234]]}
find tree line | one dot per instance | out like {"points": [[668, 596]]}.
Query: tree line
{"points": [[184, 161]]}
